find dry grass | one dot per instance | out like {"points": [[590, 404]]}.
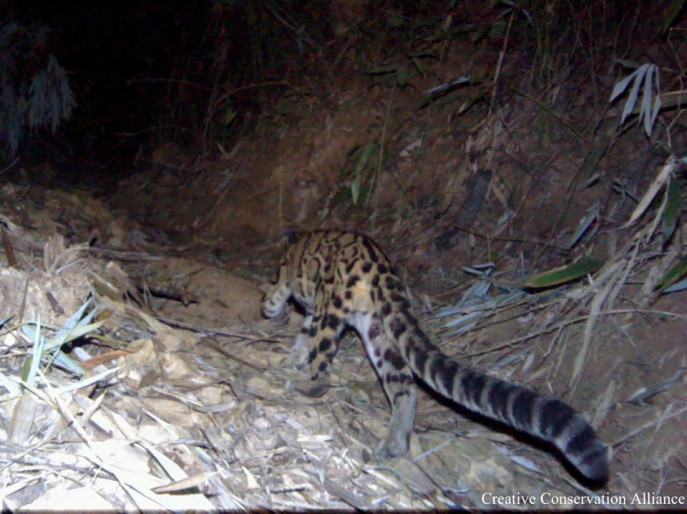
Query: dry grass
{"points": [[161, 417]]}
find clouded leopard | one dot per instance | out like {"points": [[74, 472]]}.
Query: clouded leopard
{"points": [[344, 278]]}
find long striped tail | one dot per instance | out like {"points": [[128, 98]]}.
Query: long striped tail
{"points": [[546, 418]]}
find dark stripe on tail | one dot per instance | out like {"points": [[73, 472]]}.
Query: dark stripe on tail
{"points": [[517, 407]]}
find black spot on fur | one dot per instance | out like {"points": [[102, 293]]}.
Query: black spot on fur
{"points": [[386, 309], [312, 355], [325, 344], [390, 283], [402, 301], [382, 268], [375, 281], [366, 267], [412, 321], [336, 301], [374, 331], [350, 266], [397, 327], [421, 359], [348, 295], [394, 358], [333, 321], [406, 378], [371, 251], [352, 280], [323, 366]]}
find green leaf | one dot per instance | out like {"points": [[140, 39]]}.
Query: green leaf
{"points": [[29, 373], [230, 114], [382, 70], [590, 217], [497, 30], [402, 75], [418, 65], [367, 151], [66, 362], [671, 13], [429, 21], [355, 189], [674, 274], [424, 53], [480, 33], [673, 208], [473, 99], [395, 20], [12, 387], [285, 106], [563, 274], [73, 333]]}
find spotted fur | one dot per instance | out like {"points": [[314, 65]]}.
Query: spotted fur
{"points": [[344, 278]]}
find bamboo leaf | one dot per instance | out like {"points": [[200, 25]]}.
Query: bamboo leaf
{"points": [[29, 373], [368, 150], [395, 20], [633, 94], [418, 65], [381, 70], [674, 274], [355, 189], [672, 211], [664, 175], [65, 361], [563, 274], [621, 86], [645, 111], [74, 333], [402, 75], [589, 218], [671, 13], [677, 286]]}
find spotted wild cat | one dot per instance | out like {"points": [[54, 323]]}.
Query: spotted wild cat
{"points": [[344, 278]]}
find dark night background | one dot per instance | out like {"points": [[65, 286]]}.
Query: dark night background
{"points": [[118, 56], [476, 142]]}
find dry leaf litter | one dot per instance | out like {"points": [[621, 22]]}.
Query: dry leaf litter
{"points": [[136, 413]]}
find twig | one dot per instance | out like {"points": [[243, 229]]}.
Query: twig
{"points": [[221, 350], [502, 54], [565, 323], [9, 250], [225, 333], [646, 425]]}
